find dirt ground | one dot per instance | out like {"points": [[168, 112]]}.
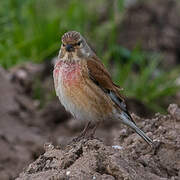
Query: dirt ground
{"points": [[128, 157]]}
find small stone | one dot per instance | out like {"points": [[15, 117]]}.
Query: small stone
{"points": [[117, 147], [68, 173], [48, 146], [174, 111]]}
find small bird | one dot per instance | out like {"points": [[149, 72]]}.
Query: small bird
{"points": [[85, 88]]}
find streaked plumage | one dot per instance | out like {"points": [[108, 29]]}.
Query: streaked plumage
{"points": [[85, 87]]}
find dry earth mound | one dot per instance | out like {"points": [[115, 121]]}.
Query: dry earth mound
{"points": [[128, 158]]}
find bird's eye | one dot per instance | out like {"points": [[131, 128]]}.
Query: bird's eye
{"points": [[63, 44], [79, 43]]}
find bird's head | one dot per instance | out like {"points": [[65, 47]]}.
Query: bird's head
{"points": [[74, 46]]}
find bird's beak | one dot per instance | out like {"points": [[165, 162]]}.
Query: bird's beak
{"points": [[69, 48]]}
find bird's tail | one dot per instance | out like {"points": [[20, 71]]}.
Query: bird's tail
{"points": [[126, 119]]}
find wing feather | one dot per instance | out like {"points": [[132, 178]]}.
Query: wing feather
{"points": [[101, 77]]}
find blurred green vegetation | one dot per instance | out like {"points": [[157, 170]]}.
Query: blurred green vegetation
{"points": [[148, 83], [31, 31]]}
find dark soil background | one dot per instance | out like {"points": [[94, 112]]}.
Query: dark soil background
{"points": [[155, 26], [28, 124]]}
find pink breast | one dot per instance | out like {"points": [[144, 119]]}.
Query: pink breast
{"points": [[70, 72]]}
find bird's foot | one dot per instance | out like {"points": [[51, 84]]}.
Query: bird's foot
{"points": [[83, 133], [78, 138]]}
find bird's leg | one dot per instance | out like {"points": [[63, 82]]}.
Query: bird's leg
{"points": [[94, 129], [83, 133]]}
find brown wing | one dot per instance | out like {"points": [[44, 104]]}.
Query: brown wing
{"points": [[98, 70], [100, 74], [101, 77]]}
